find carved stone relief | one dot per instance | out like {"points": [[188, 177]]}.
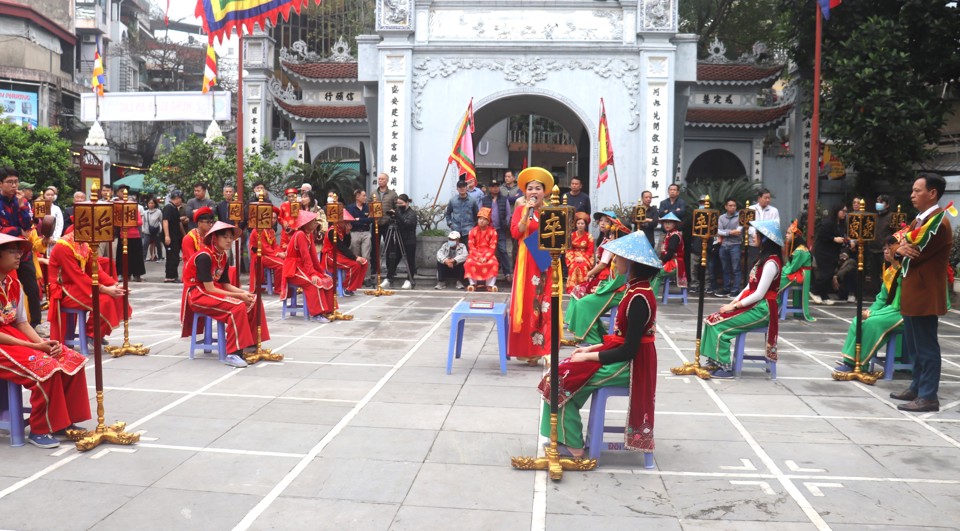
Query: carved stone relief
{"points": [[394, 15], [658, 15], [535, 25], [527, 72]]}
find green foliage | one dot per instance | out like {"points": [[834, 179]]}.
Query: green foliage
{"points": [[325, 176], [430, 217], [719, 190], [39, 155], [193, 161], [884, 68], [738, 24], [624, 212]]}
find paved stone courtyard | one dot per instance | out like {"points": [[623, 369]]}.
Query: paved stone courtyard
{"points": [[360, 428]]}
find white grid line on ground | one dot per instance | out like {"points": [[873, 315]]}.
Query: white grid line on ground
{"points": [[226, 395], [890, 404], [298, 469], [792, 490]]}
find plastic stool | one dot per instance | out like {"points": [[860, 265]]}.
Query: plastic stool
{"points": [[75, 335], [739, 356], [340, 276], [785, 307], [11, 413], [461, 313], [667, 295], [209, 342], [890, 359], [291, 306], [267, 284], [596, 427]]}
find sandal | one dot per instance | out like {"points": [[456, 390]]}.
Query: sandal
{"points": [[471, 288]]}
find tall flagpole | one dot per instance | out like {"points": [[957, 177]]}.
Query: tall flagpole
{"points": [[815, 132], [240, 116]]}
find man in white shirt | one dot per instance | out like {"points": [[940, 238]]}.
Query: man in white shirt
{"points": [[765, 212]]}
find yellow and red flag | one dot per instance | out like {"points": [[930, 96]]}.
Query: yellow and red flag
{"points": [[606, 149], [210, 69], [462, 152], [99, 79]]}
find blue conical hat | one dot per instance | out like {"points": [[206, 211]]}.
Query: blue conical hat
{"points": [[770, 229], [634, 247], [670, 217]]}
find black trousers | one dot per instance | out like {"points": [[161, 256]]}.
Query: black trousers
{"points": [[173, 259], [445, 273], [394, 256], [27, 274]]}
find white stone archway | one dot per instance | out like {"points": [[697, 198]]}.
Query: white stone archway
{"points": [[419, 75]]}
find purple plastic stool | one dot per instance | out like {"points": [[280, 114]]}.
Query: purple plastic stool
{"points": [[739, 356], [596, 428], [11, 413], [667, 296]]}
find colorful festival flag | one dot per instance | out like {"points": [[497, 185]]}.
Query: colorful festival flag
{"points": [[606, 149], [827, 5], [222, 17], [462, 152], [99, 79], [210, 69], [921, 235]]}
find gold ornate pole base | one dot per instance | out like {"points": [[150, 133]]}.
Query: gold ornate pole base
{"points": [[337, 316], [868, 378], [694, 368], [552, 462], [262, 354], [128, 348], [88, 440], [569, 342], [379, 291]]}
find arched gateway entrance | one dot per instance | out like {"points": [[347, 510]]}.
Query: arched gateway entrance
{"points": [[428, 59], [496, 108]]}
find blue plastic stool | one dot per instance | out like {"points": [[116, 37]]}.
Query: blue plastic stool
{"points": [[340, 276], [890, 358], [667, 295], [596, 427], [785, 307], [209, 342], [739, 356], [11, 413], [291, 306], [461, 313], [612, 314], [267, 285], [75, 335]]}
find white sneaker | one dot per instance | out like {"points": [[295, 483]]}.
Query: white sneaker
{"points": [[385, 284], [407, 285], [816, 298], [459, 285], [43, 329], [235, 361], [851, 298], [440, 285]]}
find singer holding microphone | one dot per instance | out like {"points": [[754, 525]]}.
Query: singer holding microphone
{"points": [[529, 337]]}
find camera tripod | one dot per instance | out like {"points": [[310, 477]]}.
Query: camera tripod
{"points": [[392, 242]]}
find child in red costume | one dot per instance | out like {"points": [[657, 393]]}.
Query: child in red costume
{"points": [[53, 373], [193, 240], [482, 265], [355, 267], [302, 269], [273, 254], [71, 282], [207, 290]]}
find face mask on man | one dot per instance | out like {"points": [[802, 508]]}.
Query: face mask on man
{"points": [[452, 244], [880, 206]]}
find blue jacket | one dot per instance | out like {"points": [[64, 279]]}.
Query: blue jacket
{"points": [[461, 214]]}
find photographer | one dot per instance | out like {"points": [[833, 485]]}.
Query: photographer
{"points": [[405, 221]]}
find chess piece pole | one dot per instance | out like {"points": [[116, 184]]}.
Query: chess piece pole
{"points": [[704, 227], [260, 353], [555, 224], [94, 226], [376, 212], [122, 211], [861, 226]]}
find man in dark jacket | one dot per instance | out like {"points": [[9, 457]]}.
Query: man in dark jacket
{"points": [[402, 242], [501, 212]]}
